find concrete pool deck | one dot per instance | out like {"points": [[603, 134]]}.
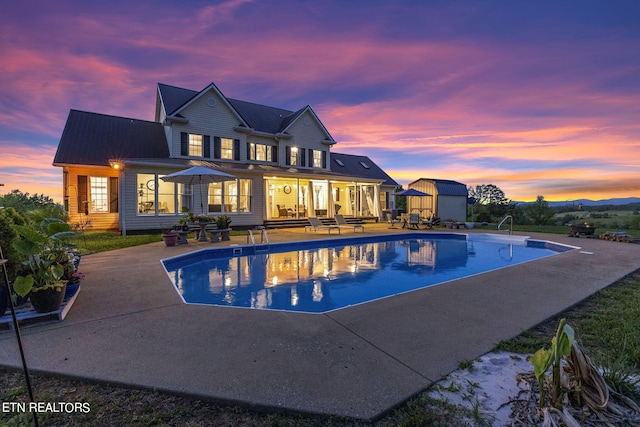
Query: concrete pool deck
{"points": [[129, 326]]}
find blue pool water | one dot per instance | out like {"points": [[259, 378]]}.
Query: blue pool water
{"points": [[319, 276]]}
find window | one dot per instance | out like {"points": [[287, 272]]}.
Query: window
{"points": [[99, 191], [146, 185], [97, 194], [261, 152], [317, 159], [226, 148], [166, 197], [364, 165], [230, 196], [245, 195], [339, 162], [295, 156], [185, 201], [195, 145]]}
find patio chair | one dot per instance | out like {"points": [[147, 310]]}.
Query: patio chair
{"points": [[389, 218], [431, 222], [414, 221], [343, 223], [315, 224]]}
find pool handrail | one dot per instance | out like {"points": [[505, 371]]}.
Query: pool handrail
{"points": [[510, 225]]}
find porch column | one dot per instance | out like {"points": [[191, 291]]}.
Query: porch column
{"points": [[331, 209]]}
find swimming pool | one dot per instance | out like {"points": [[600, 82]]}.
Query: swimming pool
{"points": [[323, 275]]}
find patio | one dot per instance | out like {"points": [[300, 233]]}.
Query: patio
{"points": [[129, 326]]}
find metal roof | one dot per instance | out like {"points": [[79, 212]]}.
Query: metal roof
{"points": [[94, 139], [174, 97], [447, 187], [261, 117], [355, 166]]}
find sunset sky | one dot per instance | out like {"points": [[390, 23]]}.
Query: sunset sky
{"points": [[537, 97]]}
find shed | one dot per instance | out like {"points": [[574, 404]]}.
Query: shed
{"points": [[448, 201]]}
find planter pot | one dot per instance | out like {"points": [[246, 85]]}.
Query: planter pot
{"points": [[469, 224], [170, 239], [48, 300], [226, 234]]}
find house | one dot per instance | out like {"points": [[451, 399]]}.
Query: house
{"points": [[282, 162], [447, 200]]}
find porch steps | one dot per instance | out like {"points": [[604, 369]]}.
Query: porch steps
{"points": [[302, 222]]}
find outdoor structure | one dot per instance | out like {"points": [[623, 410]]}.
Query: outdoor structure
{"points": [[281, 161], [448, 199]]}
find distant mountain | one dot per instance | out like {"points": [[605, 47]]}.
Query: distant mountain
{"points": [[587, 202]]}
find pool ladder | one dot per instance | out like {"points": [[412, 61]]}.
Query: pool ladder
{"points": [[508, 217], [264, 239]]}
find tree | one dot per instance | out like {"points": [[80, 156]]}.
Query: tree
{"points": [[37, 207], [490, 203], [488, 194], [23, 202], [539, 213], [401, 201]]}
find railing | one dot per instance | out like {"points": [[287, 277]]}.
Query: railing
{"points": [[508, 217], [264, 237]]}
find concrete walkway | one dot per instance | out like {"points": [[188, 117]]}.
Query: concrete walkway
{"points": [[129, 326]]}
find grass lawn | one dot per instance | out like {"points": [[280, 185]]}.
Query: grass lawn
{"points": [[606, 324]]}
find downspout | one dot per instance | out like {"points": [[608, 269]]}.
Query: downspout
{"points": [[122, 212]]}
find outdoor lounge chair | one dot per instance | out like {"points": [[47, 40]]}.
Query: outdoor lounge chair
{"points": [[431, 222], [414, 221], [343, 223], [315, 224]]}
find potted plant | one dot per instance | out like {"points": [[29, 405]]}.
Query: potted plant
{"points": [[43, 282], [170, 236], [223, 222], [49, 260]]}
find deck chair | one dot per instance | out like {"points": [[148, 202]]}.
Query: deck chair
{"points": [[343, 223], [431, 222], [389, 218], [315, 224], [414, 221]]}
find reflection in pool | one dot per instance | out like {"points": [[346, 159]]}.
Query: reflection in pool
{"points": [[325, 275]]}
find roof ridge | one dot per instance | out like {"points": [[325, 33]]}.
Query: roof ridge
{"points": [[261, 105], [113, 116]]}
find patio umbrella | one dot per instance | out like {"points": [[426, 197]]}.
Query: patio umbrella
{"points": [[413, 193], [198, 175]]}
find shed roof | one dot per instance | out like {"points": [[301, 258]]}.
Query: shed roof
{"points": [[93, 139], [446, 187]]}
